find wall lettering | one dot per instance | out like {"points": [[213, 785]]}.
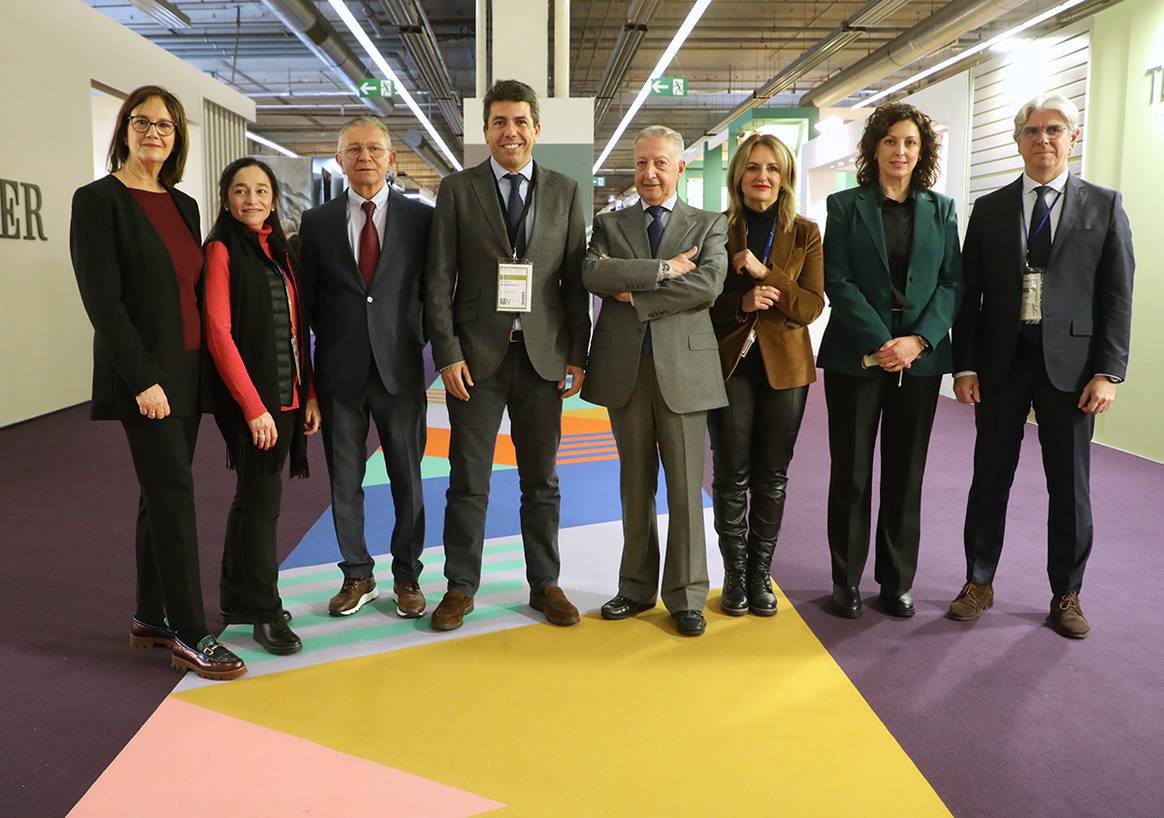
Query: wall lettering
{"points": [[20, 204], [1155, 86]]}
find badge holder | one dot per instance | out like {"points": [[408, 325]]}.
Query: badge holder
{"points": [[514, 285], [1031, 303]]}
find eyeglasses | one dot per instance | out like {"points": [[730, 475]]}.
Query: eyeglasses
{"points": [[141, 124], [1052, 131], [356, 151]]}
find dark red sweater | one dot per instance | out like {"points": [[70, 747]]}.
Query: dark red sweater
{"points": [[185, 254]]}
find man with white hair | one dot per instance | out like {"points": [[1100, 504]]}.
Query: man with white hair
{"points": [[654, 363], [1046, 323]]}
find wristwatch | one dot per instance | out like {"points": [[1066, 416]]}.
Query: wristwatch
{"points": [[1113, 379], [665, 269]]}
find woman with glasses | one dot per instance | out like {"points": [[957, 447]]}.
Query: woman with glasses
{"points": [[774, 289], [893, 275], [136, 253], [256, 331]]}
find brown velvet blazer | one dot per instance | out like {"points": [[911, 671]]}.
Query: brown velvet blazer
{"points": [[796, 269]]}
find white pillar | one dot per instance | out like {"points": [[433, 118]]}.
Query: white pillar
{"points": [[562, 48], [482, 42], [520, 42]]}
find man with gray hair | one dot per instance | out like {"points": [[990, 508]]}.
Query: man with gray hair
{"points": [[363, 256], [654, 363], [1045, 322]]}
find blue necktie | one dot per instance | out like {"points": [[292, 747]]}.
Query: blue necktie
{"points": [[513, 207], [1039, 241], [655, 228]]}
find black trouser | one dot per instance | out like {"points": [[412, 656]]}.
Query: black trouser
{"points": [[249, 587], [1065, 439], [752, 439], [535, 424], [857, 405], [401, 427], [168, 582]]}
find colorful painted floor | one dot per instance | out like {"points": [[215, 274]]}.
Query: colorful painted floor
{"points": [[511, 716]]}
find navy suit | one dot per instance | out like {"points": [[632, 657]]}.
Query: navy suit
{"points": [[369, 366]]}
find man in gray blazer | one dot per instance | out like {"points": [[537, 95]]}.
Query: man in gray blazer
{"points": [[509, 320], [1045, 322], [654, 363]]}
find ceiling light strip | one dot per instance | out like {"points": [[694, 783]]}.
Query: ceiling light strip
{"points": [[374, 54], [970, 52], [275, 146], [661, 66]]}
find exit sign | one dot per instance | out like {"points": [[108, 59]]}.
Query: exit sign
{"points": [[600, 181], [379, 89], [669, 87]]}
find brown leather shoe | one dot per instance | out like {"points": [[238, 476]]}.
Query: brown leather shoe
{"points": [[1067, 617], [410, 602], [210, 659], [450, 614], [970, 602], [142, 635], [553, 603], [353, 595]]}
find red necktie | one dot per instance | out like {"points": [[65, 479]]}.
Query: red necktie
{"points": [[369, 245]]}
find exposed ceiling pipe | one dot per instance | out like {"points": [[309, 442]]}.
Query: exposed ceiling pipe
{"points": [[419, 38], [851, 29], [638, 17], [935, 31]]}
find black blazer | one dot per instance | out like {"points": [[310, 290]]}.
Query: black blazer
{"points": [[1087, 291], [130, 291], [356, 325]]}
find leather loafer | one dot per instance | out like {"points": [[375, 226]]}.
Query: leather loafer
{"points": [[623, 607], [450, 614], [898, 605], [275, 637], [553, 603], [209, 659], [689, 623], [847, 601], [144, 635], [232, 618]]}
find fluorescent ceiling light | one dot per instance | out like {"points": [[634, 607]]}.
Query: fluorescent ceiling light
{"points": [[275, 146], [374, 54], [661, 66], [946, 63], [1008, 46], [167, 14]]}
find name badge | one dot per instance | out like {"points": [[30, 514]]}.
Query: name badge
{"points": [[514, 286], [1031, 303]]}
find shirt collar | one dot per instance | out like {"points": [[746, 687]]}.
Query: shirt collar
{"points": [[668, 205], [499, 171], [1057, 184], [357, 201]]}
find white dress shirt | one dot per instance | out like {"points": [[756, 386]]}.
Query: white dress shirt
{"points": [[356, 218], [1054, 197], [503, 185]]}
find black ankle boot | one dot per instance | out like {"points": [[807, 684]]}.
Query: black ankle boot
{"points": [[277, 638], [761, 598], [735, 587]]}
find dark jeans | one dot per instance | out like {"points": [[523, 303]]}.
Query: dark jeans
{"points": [[752, 440], [858, 405], [248, 587], [168, 582]]}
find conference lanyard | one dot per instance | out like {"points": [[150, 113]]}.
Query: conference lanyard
{"points": [[1044, 223], [517, 230]]}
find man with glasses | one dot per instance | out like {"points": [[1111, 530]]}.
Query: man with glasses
{"points": [[1045, 322], [363, 257]]}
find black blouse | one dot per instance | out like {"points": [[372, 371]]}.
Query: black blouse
{"points": [[897, 218]]}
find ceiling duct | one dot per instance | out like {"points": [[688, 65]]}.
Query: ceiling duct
{"points": [[417, 33], [929, 35], [848, 31], [638, 17]]}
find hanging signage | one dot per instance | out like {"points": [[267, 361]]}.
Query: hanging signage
{"points": [[20, 204], [600, 181], [376, 89], [669, 87]]}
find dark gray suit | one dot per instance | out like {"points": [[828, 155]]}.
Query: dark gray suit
{"points": [[1087, 314], [368, 364], [658, 401], [468, 240]]}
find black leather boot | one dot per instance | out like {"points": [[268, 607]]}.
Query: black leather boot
{"points": [[761, 598], [735, 588]]}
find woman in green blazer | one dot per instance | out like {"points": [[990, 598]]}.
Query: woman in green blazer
{"points": [[893, 275]]}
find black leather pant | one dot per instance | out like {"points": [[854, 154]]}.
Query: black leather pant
{"points": [[752, 439]]}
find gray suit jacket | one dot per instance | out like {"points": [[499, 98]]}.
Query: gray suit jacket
{"points": [[468, 239], [685, 349]]}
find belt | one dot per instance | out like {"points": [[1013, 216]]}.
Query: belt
{"points": [[516, 336]]}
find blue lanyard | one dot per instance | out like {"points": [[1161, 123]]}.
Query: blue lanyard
{"points": [[1046, 218], [771, 240]]}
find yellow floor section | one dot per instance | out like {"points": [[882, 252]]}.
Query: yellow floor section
{"points": [[608, 719]]}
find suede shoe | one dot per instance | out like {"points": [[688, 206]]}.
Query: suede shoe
{"points": [[277, 638], [410, 603], [847, 601], [689, 623], [1067, 617], [144, 635], [897, 605], [354, 594], [623, 607], [553, 603], [209, 659], [971, 602], [450, 614]]}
